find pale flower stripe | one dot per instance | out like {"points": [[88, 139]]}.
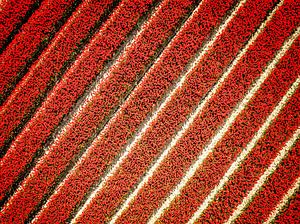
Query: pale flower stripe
{"points": [[90, 98], [186, 125], [287, 197], [61, 133], [209, 148], [155, 114], [146, 126], [44, 56], [245, 152], [281, 155], [64, 127], [95, 90]]}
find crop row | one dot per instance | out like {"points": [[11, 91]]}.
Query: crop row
{"points": [[12, 13], [107, 95], [132, 113], [183, 102], [118, 82], [260, 156], [283, 177], [66, 92], [290, 213], [246, 125], [173, 166], [48, 68], [129, 93], [36, 32]]}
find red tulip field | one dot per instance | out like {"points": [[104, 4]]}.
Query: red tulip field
{"points": [[149, 111]]}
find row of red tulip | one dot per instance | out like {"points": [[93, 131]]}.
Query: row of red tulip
{"points": [[31, 35], [283, 177], [133, 112], [260, 156], [290, 213], [108, 94], [66, 92], [12, 14], [246, 125], [277, 187], [63, 96], [174, 166], [150, 146], [47, 70], [119, 81]]}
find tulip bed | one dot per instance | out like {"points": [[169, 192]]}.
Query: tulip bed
{"points": [[30, 41], [148, 148], [282, 178], [61, 99], [260, 156], [96, 94], [53, 63], [108, 95], [14, 14]]}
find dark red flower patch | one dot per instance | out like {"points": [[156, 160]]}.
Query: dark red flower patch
{"points": [[63, 136], [264, 152], [12, 13], [284, 176], [243, 130], [120, 77], [65, 93], [188, 147], [135, 110], [136, 163], [25, 44], [47, 69], [291, 213]]}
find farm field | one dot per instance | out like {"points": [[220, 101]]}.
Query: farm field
{"points": [[149, 111]]}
